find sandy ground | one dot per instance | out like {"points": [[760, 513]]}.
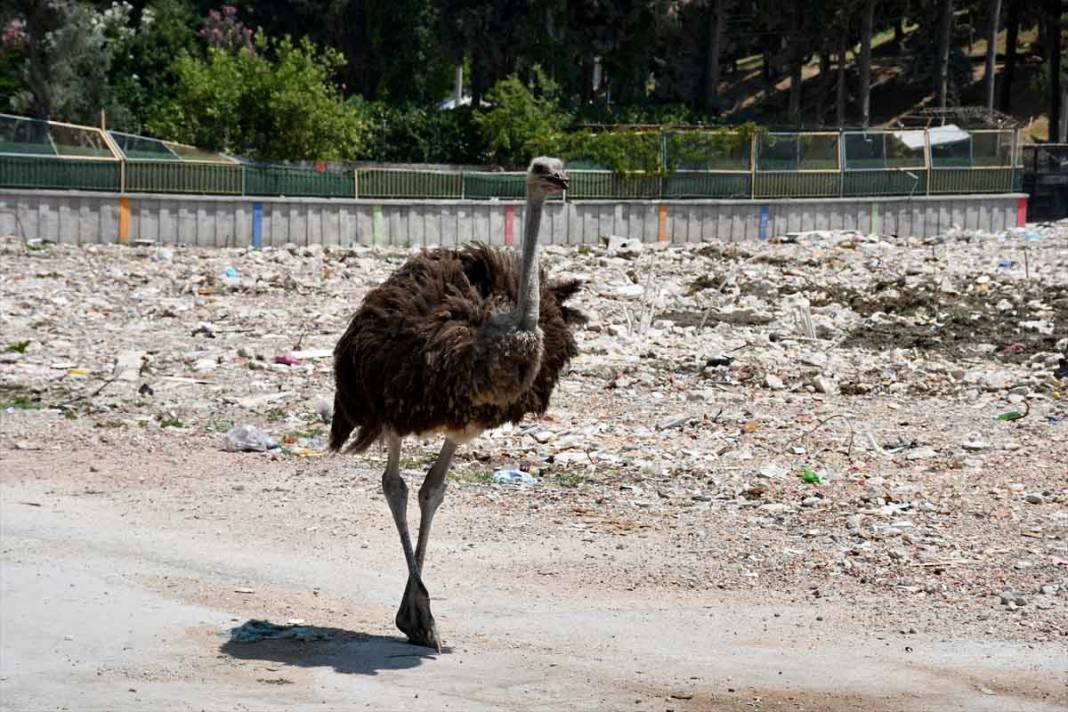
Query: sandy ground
{"points": [[652, 567]]}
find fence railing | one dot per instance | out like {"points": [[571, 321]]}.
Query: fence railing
{"points": [[768, 166]]}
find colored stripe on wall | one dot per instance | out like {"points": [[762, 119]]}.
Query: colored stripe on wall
{"points": [[124, 220], [876, 221], [257, 225], [378, 225], [764, 213], [661, 228], [509, 224], [1021, 212]]}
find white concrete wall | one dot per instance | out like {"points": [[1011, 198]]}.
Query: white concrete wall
{"points": [[86, 217]]}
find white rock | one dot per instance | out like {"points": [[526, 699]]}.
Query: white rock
{"points": [[774, 382], [921, 453]]}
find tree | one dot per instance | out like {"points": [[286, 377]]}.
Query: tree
{"points": [[525, 120], [1012, 34], [273, 102], [141, 71], [866, 21], [994, 22], [945, 35], [716, 24], [1053, 48]]}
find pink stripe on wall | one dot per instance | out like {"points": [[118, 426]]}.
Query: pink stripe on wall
{"points": [[1021, 212], [509, 224]]}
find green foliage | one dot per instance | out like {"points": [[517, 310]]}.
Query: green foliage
{"points": [[618, 151], [525, 119], [69, 78], [420, 135], [727, 149], [21, 401], [275, 103], [18, 347], [143, 70], [12, 69]]}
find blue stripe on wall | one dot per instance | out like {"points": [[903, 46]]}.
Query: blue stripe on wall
{"points": [[257, 225], [764, 210]]}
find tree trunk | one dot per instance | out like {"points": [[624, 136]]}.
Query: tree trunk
{"points": [[795, 91], [824, 85], [1012, 34], [1053, 43], [716, 23], [458, 85], [992, 51], [866, 22], [944, 36], [586, 81], [839, 105]]}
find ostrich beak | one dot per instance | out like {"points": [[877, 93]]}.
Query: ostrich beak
{"points": [[560, 180]]}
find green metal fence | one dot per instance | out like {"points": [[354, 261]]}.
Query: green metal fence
{"points": [[59, 173], [694, 165], [280, 180], [392, 183]]}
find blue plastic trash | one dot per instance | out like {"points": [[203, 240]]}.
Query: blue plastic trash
{"points": [[513, 476]]}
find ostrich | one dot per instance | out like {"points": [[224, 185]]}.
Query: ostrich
{"points": [[454, 342]]}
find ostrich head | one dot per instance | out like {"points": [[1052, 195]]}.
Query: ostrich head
{"points": [[546, 176]]}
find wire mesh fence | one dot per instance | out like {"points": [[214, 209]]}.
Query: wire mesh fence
{"points": [[694, 165]]}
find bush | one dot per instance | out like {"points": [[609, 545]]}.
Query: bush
{"points": [[524, 121], [273, 102]]}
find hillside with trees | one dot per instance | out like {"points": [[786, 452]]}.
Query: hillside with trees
{"points": [[369, 80]]}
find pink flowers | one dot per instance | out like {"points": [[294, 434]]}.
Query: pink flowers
{"points": [[224, 31]]}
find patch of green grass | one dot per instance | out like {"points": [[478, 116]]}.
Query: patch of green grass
{"points": [[21, 401], [309, 433], [109, 423], [569, 480], [220, 425], [273, 415], [170, 421], [18, 347], [584, 250], [479, 477]]}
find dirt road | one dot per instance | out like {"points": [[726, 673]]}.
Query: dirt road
{"points": [[119, 586], [823, 474]]}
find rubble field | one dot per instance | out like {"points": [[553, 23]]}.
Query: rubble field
{"points": [[827, 437]]}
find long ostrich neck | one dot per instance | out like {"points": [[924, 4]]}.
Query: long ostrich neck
{"points": [[526, 307]]}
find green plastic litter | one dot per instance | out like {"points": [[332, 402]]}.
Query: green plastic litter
{"points": [[1011, 415], [253, 631], [811, 477]]}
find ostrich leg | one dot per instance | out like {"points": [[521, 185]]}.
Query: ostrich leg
{"points": [[431, 495], [418, 624], [414, 614]]}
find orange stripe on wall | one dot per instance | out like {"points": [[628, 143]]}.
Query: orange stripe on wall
{"points": [[124, 220], [661, 232]]}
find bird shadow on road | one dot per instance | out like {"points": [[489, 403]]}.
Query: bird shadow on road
{"points": [[346, 651]]}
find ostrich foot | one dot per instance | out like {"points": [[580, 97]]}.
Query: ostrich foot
{"points": [[414, 618]]}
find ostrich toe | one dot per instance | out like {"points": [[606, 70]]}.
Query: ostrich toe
{"points": [[414, 618]]}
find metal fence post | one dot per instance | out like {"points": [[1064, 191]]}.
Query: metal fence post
{"points": [[927, 159], [752, 166], [841, 163], [355, 184]]}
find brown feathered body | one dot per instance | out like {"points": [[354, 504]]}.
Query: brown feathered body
{"points": [[433, 349]]}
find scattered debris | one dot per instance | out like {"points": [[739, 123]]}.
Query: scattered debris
{"points": [[248, 438], [513, 477], [255, 631]]}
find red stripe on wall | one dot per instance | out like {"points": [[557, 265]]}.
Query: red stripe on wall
{"points": [[1021, 212], [509, 224]]}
